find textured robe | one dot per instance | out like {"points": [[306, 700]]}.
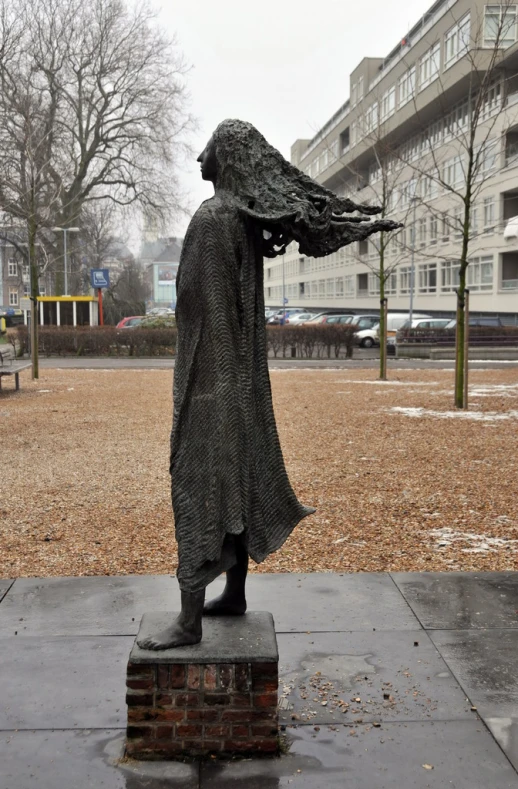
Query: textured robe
{"points": [[228, 476]]}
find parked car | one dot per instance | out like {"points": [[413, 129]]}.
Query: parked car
{"points": [[131, 321], [280, 316], [492, 320], [364, 321], [367, 338], [160, 311], [421, 323], [395, 320], [298, 318], [327, 318]]}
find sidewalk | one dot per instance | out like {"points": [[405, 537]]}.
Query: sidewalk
{"points": [[363, 360], [387, 681]]}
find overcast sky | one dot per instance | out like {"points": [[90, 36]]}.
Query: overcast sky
{"points": [[283, 65]]}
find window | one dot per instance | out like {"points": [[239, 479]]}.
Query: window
{"points": [[453, 172], [388, 103], [489, 214], [492, 101], [458, 220], [363, 284], [479, 274], [391, 284], [349, 285], [374, 173], [445, 228], [371, 117], [26, 289], [374, 284], [433, 230], [330, 288], [344, 141], [13, 297], [302, 288], [339, 287], [429, 66], [499, 25], [321, 287], [449, 276], [406, 86], [405, 279], [487, 154], [360, 88], [427, 278], [12, 268], [456, 41], [421, 232], [473, 221]]}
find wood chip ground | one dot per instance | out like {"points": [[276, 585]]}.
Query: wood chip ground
{"points": [[84, 487]]}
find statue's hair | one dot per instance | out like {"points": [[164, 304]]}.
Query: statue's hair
{"points": [[283, 199]]}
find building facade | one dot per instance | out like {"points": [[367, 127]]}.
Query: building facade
{"points": [[402, 140], [161, 274]]}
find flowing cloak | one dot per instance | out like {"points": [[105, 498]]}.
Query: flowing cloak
{"points": [[228, 476]]}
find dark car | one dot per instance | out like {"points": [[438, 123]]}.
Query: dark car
{"points": [[491, 320]]}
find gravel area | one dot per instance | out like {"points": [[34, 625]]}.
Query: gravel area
{"points": [[400, 480]]}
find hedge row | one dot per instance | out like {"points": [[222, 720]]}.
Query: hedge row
{"points": [[100, 341], [295, 341], [478, 335]]}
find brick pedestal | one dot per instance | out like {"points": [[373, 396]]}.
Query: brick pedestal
{"points": [[217, 697]]}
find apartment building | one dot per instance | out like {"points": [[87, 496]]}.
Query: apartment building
{"points": [[400, 139]]}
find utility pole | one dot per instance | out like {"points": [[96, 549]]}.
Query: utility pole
{"points": [[65, 230]]}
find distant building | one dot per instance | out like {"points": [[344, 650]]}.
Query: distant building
{"points": [[414, 101], [161, 272]]}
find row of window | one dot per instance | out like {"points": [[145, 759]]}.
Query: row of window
{"points": [[430, 278], [500, 28]]}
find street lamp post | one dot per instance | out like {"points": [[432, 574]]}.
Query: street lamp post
{"points": [[412, 267], [65, 230]]}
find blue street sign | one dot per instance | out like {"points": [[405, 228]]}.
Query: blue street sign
{"points": [[99, 278], [285, 300]]}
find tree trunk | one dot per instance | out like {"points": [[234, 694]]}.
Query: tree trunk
{"points": [[33, 268], [459, 341], [383, 326]]}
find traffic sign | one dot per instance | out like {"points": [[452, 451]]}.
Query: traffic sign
{"points": [[99, 278]]}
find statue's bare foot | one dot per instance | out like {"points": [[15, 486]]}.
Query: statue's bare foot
{"points": [[177, 635], [225, 605]]}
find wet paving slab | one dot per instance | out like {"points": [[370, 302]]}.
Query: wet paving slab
{"points": [[5, 585], [461, 600], [63, 683], [485, 664], [366, 677], [83, 760], [460, 754], [85, 606], [327, 602]]}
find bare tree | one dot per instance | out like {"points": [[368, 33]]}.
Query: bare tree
{"points": [[111, 89], [382, 184]]}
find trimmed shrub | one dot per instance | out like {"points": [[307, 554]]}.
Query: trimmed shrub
{"points": [[335, 340]]}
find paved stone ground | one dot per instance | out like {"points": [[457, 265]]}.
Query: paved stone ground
{"points": [[424, 665]]}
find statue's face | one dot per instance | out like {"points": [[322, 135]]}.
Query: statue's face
{"points": [[207, 159]]}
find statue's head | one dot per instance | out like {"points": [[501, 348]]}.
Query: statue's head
{"points": [[286, 202]]}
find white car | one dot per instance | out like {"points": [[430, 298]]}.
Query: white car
{"points": [[367, 338], [299, 318]]}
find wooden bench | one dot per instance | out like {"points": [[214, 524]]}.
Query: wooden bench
{"points": [[10, 366]]}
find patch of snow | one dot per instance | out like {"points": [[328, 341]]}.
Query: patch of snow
{"points": [[478, 543], [476, 416]]}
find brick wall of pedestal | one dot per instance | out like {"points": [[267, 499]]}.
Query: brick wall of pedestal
{"points": [[191, 709]]}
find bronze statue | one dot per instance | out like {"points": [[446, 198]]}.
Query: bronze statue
{"points": [[231, 495]]}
